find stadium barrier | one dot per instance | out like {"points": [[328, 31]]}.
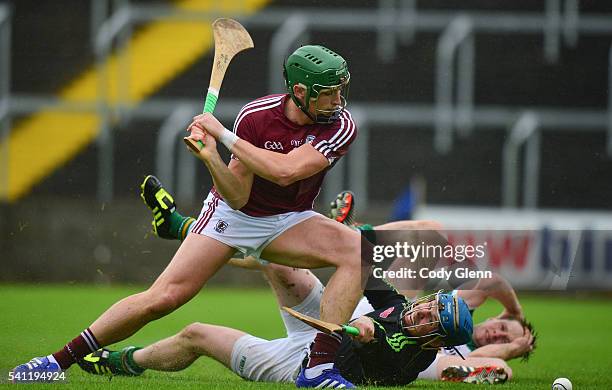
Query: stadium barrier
{"points": [[543, 250]]}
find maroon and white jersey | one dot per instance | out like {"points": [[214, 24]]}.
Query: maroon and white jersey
{"points": [[263, 123]]}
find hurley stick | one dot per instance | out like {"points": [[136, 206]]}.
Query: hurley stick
{"points": [[325, 327], [230, 39]]}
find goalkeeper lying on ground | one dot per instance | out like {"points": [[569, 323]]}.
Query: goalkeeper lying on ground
{"points": [[278, 360]]}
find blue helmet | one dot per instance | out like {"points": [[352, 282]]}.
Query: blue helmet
{"points": [[453, 324], [455, 319]]}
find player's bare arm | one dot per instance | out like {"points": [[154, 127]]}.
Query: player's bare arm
{"points": [[410, 225], [281, 169], [506, 351], [497, 288], [232, 181]]}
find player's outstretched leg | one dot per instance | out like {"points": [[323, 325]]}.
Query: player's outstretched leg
{"points": [[174, 353], [342, 209], [167, 222]]}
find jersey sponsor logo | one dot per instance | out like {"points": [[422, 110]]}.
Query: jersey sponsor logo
{"points": [[397, 341], [386, 313], [296, 142], [273, 145], [221, 226]]}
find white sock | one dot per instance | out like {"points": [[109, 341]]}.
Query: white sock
{"points": [[315, 371], [52, 359]]}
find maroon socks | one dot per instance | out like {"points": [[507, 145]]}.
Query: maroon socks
{"points": [[82, 345], [324, 349]]}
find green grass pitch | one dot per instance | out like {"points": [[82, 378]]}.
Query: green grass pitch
{"points": [[574, 342]]}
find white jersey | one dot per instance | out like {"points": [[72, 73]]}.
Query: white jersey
{"points": [[463, 349]]}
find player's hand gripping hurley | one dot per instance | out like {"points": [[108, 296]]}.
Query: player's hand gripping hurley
{"points": [[230, 39]]}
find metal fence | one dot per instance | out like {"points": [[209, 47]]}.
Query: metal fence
{"points": [[395, 23]]}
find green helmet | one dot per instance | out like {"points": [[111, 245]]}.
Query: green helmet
{"points": [[317, 68]]}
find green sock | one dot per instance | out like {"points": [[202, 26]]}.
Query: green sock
{"points": [[185, 227], [114, 360], [176, 219], [178, 225], [124, 360]]}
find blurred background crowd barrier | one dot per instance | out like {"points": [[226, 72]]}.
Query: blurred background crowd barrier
{"points": [[483, 113]]}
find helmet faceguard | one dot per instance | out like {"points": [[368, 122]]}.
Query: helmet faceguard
{"points": [[329, 115], [319, 71], [452, 322]]}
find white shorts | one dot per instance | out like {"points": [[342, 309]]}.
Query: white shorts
{"points": [[279, 360], [249, 235]]}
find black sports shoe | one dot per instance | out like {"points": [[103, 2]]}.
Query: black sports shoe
{"points": [[342, 209], [107, 362], [99, 363], [161, 204]]}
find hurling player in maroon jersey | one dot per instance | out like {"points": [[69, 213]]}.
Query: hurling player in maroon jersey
{"points": [[282, 146]]}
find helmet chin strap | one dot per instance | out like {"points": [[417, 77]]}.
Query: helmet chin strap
{"points": [[303, 108], [308, 114]]}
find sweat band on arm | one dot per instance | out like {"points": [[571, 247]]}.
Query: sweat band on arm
{"points": [[228, 139]]}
